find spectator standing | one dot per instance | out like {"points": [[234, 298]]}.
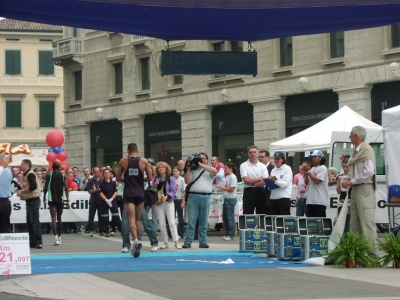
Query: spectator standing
{"points": [[5, 193], [199, 200], [181, 167], [108, 193], [282, 176], [77, 180], [56, 185], [85, 179], [343, 192], [332, 174], [230, 200], [317, 181], [180, 189], [301, 199], [363, 183], [31, 194], [263, 157], [253, 173], [165, 183], [297, 177], [93, 186]]}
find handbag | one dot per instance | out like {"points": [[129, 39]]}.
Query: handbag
{"points": [[160, 195], [151, 195], [187, 189]]}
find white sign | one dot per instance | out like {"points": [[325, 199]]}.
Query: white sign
{"points": [[15, 257], [79, 209]]}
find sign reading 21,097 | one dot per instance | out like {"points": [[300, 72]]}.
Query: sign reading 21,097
{"points": [[15, 257]]}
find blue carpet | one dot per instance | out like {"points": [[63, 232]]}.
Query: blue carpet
{"points": [[167, 261]]}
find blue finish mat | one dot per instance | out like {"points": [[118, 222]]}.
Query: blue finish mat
{"points": [[167, 261]]}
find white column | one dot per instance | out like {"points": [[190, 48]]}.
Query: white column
{"points": [[196, 130], [357, 97], [269, 120], [133, 132], [77, 142]]}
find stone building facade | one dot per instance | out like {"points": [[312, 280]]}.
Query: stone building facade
{"points": [[115, 95], [31, 86]]}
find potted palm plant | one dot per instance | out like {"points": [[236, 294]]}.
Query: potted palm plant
{"points": [[391, 247], [353, 249]]}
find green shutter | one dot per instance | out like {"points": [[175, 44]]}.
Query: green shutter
{"points": [[395, 35], [13, 62], [78, 85], [118, 78], [13, 113], [145, 73], [46, 65], [286, 51], [46, 111], [337, 44]]}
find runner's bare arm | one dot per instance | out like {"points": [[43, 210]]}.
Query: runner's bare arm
{"points": [[121, 168]]}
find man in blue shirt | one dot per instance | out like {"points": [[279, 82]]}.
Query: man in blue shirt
{"points": [[5, 193]]}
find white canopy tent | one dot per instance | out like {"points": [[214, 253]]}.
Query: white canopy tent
{"points": [[318, 136], [37, 161], [391, 126]]}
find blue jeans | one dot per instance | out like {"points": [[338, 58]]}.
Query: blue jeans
{"points": [[228, 216], [198, 206], [153, 222], [144, 218], [33, 222], [301, 208]]}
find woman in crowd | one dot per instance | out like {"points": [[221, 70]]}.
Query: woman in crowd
{"points": [[166, 184], [282, 177], [343, 192], [72, 186], [180, 188], [108, 193], [230, 199], [301, 199], [317, 181]]}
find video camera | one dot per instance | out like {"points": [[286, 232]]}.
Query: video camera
{"points": [[193, 162]]}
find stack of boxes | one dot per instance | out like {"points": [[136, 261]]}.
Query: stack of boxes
{"points": [[315, 234]]}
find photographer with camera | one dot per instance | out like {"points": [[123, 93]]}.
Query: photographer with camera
{"points": [[199, 177]]}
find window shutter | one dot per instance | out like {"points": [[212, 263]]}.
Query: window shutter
{"points": [[78, 86], [46, 111], [118, 78], [13, 62], [13, 113], [46, 65], [145, 74], [286, 51], [395, 35]]}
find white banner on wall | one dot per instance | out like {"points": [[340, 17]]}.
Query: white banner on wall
{"points": [[79, 209]]}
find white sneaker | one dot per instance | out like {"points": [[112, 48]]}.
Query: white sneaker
{"points": [[227, 238], [125, 250], [56, 241], [165, 246], [59, 240], [112, 233], [154, 249]]}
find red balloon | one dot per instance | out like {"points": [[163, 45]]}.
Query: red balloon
{"points": [[51, 157], [62, 156], [54, 139], [65, 166]]}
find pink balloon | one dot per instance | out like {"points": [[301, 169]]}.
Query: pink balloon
{"points": [[64, 166], [62, 156], [54, 139], [51, 157]]}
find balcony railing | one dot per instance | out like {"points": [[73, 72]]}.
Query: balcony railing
{"points": [[67, 47]]}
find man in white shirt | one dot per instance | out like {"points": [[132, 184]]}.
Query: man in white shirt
{"points": [[263, 156], [253, 173], [363, 183]]}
